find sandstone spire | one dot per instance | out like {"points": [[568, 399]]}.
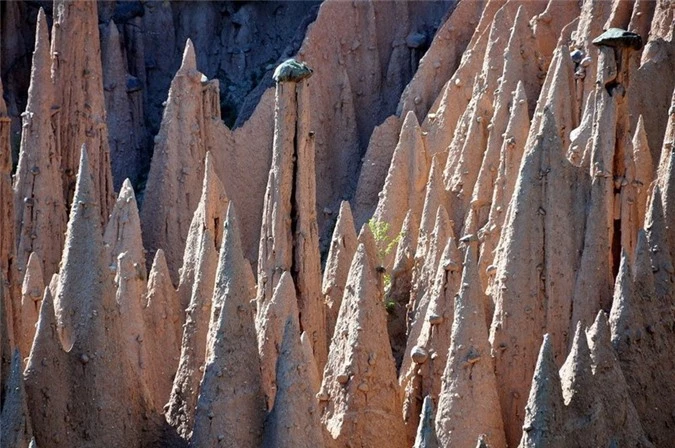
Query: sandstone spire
{"points": [[271, 332], [15, 426], [340, 254], [294, 419], [359, 393], [662, 259], [666, 173], [38, 196], [7, 225], [162, 322], [510, 155], [544, 413], [429, 355], [426, 433], [98, 372], [124, 244], [406, 180], [641, 341], [179, 155], [31, 293], [289, 233], [46, 378], [585, 419], [197, 282], [623, 423], [468, 403], [78, 91], [434, 198], [230, 405]]}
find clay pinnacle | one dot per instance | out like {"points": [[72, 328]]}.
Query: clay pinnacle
{"points": [[292, 71], [616, 37]]}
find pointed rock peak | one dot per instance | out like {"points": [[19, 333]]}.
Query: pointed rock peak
{"points": [[33, 272], [576, 371], [231, 234], [435, 196], [426, 434], [285, 290], [410, 124], [367, 239], [213, 191], [159, 266], [640, 135], [345, 221], [126, 192], [123, 231], [233, 268], [543, 423], [85, 195], [294, 420], [15, 428], [45, 327], [642, 270], [189, 62], [599, 338], [442, 225], [405, 250], [42, 34]]}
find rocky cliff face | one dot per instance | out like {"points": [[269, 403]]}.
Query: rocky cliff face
{"points": [[490, 183]]}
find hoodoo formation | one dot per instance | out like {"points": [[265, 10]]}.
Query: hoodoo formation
{"points": [[435, 223]]}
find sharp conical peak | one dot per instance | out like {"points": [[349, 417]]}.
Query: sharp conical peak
{"points": [[576, 373], [231, 354], [31, 293], [189, 61], [40, 90], [294, 419], [544, 413], [426, 433], [123, 231], [15, 424]]}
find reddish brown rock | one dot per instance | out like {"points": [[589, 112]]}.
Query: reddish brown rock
{"points": [[666, 173], [15, 429], [340, 254], [468, 403], [38, 196], [162, 322], [230, 405], [77, 75], [661, 256], [7, 224], [544, 414], [197, 282], [360, 401], [294, 419], [31, 294]]}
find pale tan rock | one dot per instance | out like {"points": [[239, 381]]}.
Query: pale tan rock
{"points": [[397, 296], [360, 400], [97, 370], [406, 180], [641, 18], [661, 257], [231, 405], [544, 418], [340, 254], [520, 66], [32, 288], [294, 419], [77, 75], [585, 419], [435, 335], [162, 323], [441, 59], [312, 369], [15, 429], [641, 340], [549, 26], [468, 402], [289, 234], [426, 433], [510, 155], [435, 196], [38, 196], [623, 423], [526, 302], [124, 245], [197, 282], [374, 168], [46, 380], [666, 173], [177, 168], [270, 321]]}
